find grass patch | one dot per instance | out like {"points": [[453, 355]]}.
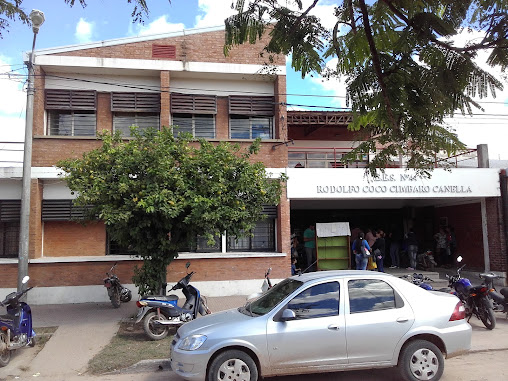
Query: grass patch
{"points": [[43, 335], [129, 346]]}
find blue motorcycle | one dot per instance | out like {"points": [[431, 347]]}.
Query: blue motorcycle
{"points": [[16, 326], [161, 312]]}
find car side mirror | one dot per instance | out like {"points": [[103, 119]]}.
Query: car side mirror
{"points": [[287, 315]]}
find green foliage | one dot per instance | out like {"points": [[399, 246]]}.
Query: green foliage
{"points": [[12, 10], [403, 70], [156, 193]]}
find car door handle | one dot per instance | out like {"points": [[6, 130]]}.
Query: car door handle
{"points": [[333, 327], [402, 320]]}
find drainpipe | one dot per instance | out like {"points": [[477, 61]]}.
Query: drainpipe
{"points": [[503, 181], [483, 162]]}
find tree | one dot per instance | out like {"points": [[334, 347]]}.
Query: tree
{"points": [[157, 193], [405, 73], [12, 10]]}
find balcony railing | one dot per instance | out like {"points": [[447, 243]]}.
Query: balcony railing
{"points": [[330, 157]]}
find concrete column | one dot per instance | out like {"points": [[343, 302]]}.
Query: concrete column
{"points": [[483, 162], [165, 115]]}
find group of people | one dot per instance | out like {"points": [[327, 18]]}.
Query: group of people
{"points": [[370, 248]]}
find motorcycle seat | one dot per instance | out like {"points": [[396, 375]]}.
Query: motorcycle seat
{"points": [[166, 298]]}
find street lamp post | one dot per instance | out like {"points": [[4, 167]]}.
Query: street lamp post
{"points": [[37, 19]]}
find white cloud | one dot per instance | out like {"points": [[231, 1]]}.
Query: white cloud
{"points": [[84, 30], [12, 96], [213, 12], [158, 26]]}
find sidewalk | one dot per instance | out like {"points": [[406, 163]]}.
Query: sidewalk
{"points": [[84, 329]]}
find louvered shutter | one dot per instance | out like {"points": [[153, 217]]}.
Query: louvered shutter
{"points": [[10, 210], [70, 99], [251, 105], [193, 104], [61, 210], [163, 51], [135, 102]]}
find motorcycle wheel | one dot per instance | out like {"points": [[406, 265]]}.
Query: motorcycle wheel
{"points": [[152, 330], [114, 297], [421, 360], [487, 316], [5, 354]]}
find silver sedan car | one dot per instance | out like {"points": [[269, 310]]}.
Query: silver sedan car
{"points": [[326, 321]]}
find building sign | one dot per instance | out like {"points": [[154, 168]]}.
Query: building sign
{"points": [[331, 183]]}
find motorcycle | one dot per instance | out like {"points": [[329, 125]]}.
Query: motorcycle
{"points": [[474, 298], [116, 292], [16, 326], [419, 280], [161, 312], [425, 261], [499, 299]]}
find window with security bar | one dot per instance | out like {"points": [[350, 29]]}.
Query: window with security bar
{"points": [[262, 239], [71, 112], [194, 114], [9, 239]]}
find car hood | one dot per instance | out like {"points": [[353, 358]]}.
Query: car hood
{"points": [[205, 324]]}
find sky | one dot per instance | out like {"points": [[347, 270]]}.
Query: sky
{"points": [[111, 19]]}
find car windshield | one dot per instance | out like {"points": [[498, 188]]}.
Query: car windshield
{"points": [[267, 302]]}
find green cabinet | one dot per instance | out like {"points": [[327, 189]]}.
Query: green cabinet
{"points": [[333, 252]]}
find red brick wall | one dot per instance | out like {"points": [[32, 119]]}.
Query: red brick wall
{"points": [[330, 133], [92, 273], [202, 47], [67, 239], [467, 221]]}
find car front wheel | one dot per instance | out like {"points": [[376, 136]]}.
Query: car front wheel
{"points": [[233, 365], [421, 360]]}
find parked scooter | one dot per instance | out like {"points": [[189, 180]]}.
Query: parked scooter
{"points": [[16, 326], [161, 312], [499, 299], [116, 292], [474, 298]]}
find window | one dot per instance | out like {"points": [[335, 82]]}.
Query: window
{"points": [[135, 109], [122, 121], [244, 127], [367, 295], [263, 238], [9, 228], [251, 117], [199, 125], [317, 301], [200, 245], [71, 112]]}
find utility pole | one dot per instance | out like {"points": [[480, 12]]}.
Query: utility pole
{"points": [[37, 18]]}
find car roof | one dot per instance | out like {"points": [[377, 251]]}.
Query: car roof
{"points": [[337, 274]]}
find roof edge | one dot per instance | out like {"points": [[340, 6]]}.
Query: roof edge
{"points": [[126, 40]]}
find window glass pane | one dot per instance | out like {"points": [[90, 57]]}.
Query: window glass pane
{"points": [[317, 301], [9, 239], [370, 295], [319, 155], [122, 121], [204, 126], [242, 243], [263, 238], [261, 128], [183, 123], [240, 127], [296, 156], [71, 123]]}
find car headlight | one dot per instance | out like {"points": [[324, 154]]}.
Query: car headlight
{"points": [[191, 343]]}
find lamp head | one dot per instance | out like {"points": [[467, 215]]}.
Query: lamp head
{"points": [[37, 19]]}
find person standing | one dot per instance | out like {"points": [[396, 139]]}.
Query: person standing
{"points": [[380, 245], [370, 237], [440, 238], [359, 246], [309, 239], [395, 238], [412, 249]]}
